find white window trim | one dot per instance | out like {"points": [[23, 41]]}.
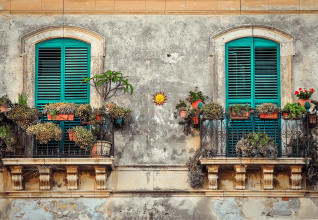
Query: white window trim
{"points": [[27, 51], [217, 52]]}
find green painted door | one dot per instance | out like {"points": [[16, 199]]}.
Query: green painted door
{"points": [[61, 65], [253, 78]]}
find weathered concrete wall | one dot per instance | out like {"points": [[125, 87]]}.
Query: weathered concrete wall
{"points": [[138, 46], [190, 208]]}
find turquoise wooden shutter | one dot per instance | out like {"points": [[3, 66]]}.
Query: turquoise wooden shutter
{"points": [[61, 66], [253, 78]]}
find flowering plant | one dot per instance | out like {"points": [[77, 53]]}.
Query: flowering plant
{"points": [[304, 93]]}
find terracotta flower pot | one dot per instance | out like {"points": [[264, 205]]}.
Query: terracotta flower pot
{"points": [[60, 117], [195, 120], [3, 108], [303, 101], [71, 136], [285, 115], [183, 114], [274, 115], [196, 103], [247, 115], [101, 149]]}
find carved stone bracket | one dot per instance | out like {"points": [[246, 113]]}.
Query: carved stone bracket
{"points": [[16, 175], [72, 177], [240, 176], [213, 176], [45, 177], [101, 177], [296, 176], [268, 176]]}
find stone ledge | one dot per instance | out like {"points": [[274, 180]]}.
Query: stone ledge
{"points": [[253, 161], [58, 194], [259, 193], [58, 161]]}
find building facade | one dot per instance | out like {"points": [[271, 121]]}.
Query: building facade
{"points": [[170, 46]]}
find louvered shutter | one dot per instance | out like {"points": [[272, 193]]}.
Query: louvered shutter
{"points": [[61, 66], [252, 77]]}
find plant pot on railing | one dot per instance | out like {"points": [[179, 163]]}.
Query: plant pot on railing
{"points": [[303, 101], [196, 103], [183, 114], [71, 136], [60, 117], [99, 117], [3, 108], [273, 116], [101, 149], [243, 117], [195, 120]]}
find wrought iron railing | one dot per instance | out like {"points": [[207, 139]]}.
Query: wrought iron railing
{"points": [[218, 138], [27, 146]]}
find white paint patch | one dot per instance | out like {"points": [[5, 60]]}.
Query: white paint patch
{"points": [[174, 58]]}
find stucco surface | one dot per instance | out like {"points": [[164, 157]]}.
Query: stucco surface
{"points": [[138, 46], [160, 208]]}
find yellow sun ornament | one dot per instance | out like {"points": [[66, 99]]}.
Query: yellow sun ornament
{"points": [[159, 98]]}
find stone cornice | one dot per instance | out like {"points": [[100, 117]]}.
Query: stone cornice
{"points": [[58, 194], [253, 161]]}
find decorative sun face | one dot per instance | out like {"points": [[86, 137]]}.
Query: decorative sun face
{"points": [[159, 98]]}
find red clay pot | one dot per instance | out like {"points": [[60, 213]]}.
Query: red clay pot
{"points": [[71, 136], [196, 103], [3, 109], [195, 120], [183, 114], [60, 117], [274, 115], [247, 115], [303, 101]]}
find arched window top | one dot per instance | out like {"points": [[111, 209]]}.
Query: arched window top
{"points": [[59, 42], [256, 41]]}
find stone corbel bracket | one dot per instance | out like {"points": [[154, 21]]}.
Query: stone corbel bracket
{"points": [[268, 176], [101, 177], [213, 176], [45, 177], [72, 177], [240, 176], [296, 176], [16, 175]]}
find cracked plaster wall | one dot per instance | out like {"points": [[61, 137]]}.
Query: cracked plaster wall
{"points": [[138, 46], [165, 208]]}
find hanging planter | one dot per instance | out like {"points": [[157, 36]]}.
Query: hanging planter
{"points": [[71, 136], [118, 122], [239, 112], [4, 103], [183, 114], [195, 120], [245, 117], [272, 116], [3, 108], [196, 97], [312, 118], [60, 117], [101, 149]]}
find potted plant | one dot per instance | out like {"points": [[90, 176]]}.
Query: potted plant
{"points": [[118, 113], [257, 145], [293, 111], [182, 107], [45, 132], [194, 113], [60, 111], [4, 103], [84, 111], [100, 147], [7, 137], [268, 111], [23, 115], [304, 95], [196, 97], [212, 111], [107, 84], [99, 113], [82, 137], [239, 112]]}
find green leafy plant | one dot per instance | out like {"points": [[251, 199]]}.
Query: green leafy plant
{"points": [[212, 110], [117, 111], [267, 108], [83, 137], [24, 116], [194, 112], [238, 110], [45, 132], [295, 110], [108, 83], [59, 108], [182, 106], [83, 111], [304, 93], [5, 101], [23, 99], [197, 95], [195, 174], [257, 145], [99, 111], [8, 137]]}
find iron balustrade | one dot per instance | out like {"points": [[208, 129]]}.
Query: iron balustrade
{"points": [[28, 147], [218, 137]]}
